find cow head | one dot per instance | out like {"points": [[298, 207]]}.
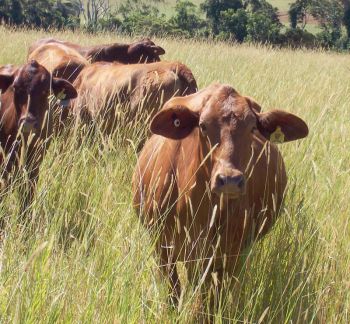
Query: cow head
{"points": [[144, 51], [31, 86], [227, 125]]}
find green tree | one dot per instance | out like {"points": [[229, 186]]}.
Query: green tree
{"points": [[262, 28], [262, 6], [141, 18], [298, 13], [298, 38], [186, 18], [38, 13], [16, 12], [213, 9], [5, 14], [330, 14], [234, 24]]}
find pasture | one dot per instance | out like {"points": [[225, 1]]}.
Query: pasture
{"points": [[84, 257]]}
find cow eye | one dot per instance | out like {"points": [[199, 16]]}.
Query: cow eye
{"points": [[203, 128], [254, 129]]}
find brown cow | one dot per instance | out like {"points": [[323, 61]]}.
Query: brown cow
{"points": [[209, 180], [26, 119], [142, 51], [60, 60], [103, 87]]}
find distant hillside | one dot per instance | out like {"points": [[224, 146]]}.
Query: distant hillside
{"points": [[168, 5], [283, 5]]}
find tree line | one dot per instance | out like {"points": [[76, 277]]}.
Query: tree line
{"points": [[227, 20]]}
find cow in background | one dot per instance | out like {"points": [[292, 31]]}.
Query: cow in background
{"points": [[109, 90]]}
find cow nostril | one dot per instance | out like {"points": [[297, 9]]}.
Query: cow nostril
{"points": [[220, 181], [240, 181], [231, 185]]}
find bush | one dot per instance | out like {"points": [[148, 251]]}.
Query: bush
{"points": [[110, 23], [328, 38], [261, 28], [346, 21], [297, 38], [186, 20], [38, 13], [262, 6], [234, 24], [343, 43], [145, 20], [214, 8]]}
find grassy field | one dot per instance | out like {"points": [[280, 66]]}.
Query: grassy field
{"points": [[84, 258]]}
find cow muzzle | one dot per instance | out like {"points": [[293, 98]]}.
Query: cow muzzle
{"points": [[231, 186], [28, 124]]}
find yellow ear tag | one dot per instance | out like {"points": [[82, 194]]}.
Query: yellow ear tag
{"points": [[277, 136], [61, 95]]}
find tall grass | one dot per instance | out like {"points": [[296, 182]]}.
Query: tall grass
{"points": [[84, 257]]}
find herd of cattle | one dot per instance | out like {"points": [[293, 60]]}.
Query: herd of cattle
{"points": [[209, 179]]}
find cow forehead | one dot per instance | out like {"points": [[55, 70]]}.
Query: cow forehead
{"points": [[217, 100], [226, 102], [31, 76]]}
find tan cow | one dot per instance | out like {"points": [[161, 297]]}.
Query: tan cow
{"points": [[209, 180], [60, 60], [104, 87]]}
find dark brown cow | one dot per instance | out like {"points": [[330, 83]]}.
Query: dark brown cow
{"points": [[26, 121], [104, 87], [138, 52], [60, 60], [209, 180]]}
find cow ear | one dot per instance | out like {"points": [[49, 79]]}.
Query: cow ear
{"points": [[253, 104], [157, 50], [176, 122], [5, 81], [279, 126], [63, 89]]}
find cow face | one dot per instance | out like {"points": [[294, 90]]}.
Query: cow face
{"points": [[31, 86], [145, 51], [228, 125]]}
